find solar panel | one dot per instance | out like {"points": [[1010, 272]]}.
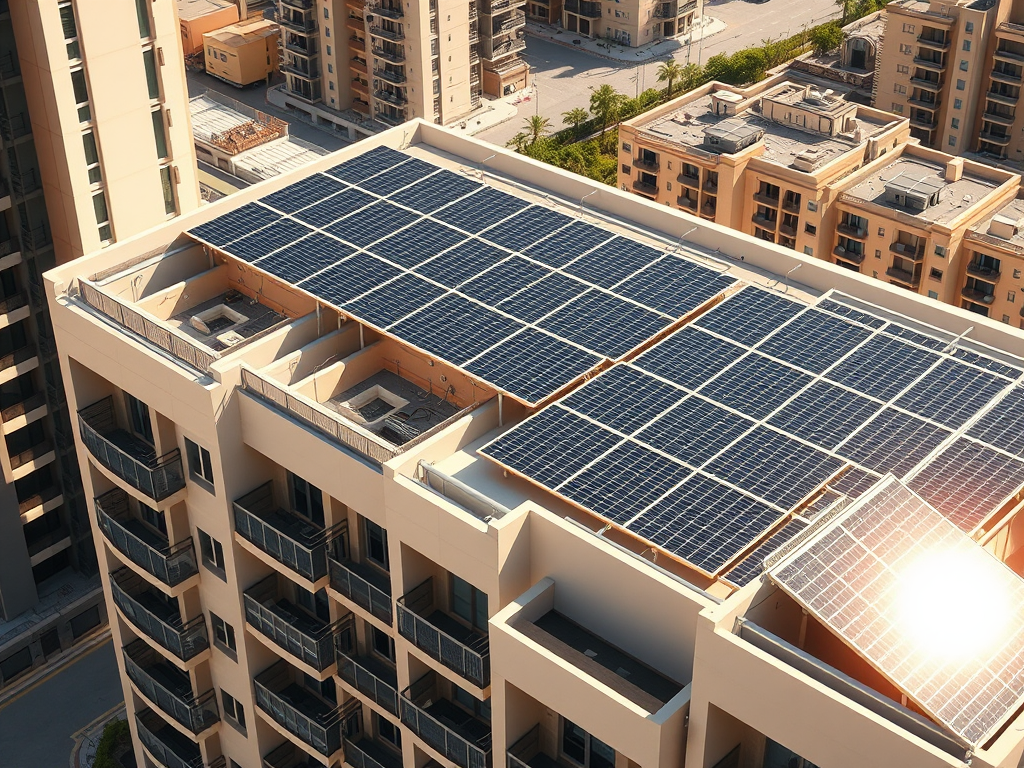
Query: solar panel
{"points": [[480, 210], [988, 363], [503, 279], [883, 367], [887, 576], [849, 313], [567, 244], [543, 297], [674, 286], [367, 164], [551, 446], [350, 278], [333, 208], [813, 340], [401, 175], [694, 430], [392, 301], [526, 228], [462, 262], [967, 481], [749, 315], [371, 224], [263, 241], [1003, 426], [435, 191], [774, 467], [909, 334], [705, 522], [417, 243], [752, 566], [689, 357], [951, 393], [755, 385], [624, 398], [532, 364], [305, 257], [621, 484], [455, 329], [893, 442], [234, 224], [608, 325], [302, 193], [613, 262], [825, 414]]}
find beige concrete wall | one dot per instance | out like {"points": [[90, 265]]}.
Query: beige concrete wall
{"points": [[192, 30]]}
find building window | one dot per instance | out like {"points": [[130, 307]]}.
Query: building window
{"points": [[583, 749], [969, 27], [1006, 318], [808, 250], [377, 545], [70, 27], [81, 91], [628, 170], [233, 711], [92, 157], [382, 644], [952, 141], [810, 229], [960, 85], [881, 231], [878, 253], [903, 69], [167, 185], [967, 45], [212, 551], [940, 251], [963, 67], [935, 274], [327, 31], [1011, 296], [905, 48], [307, 500], [932, 295], [326, 14], [152, 80], [957, 103], [954, 123], [330, 85], [223, 635], [138, 417], [897, 88], [909, 28], [159, 134], [469, 603], [142, 11], [812, 206], [897, 108], [99, 205], [200, 466], [1016, 274]]}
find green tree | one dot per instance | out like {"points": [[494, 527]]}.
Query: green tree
{"points": [[536, 126], [692, 77], [519, 142], [670, 71], [826, 37], [575, 118], [775, 51], [115, 734], [605, 105]]}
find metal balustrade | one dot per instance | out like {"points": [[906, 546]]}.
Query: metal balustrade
{"points": [[299, 711], [303, 636], [461, 738], [170, 564], [368, 753], [363, 585], [169, 688], [143, 607], [367, 675], [163, 742]]}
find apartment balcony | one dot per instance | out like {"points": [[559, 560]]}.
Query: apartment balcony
{"points": [[20, 414], [528, 753], [305, 71], [388, 11], [289, 539], [303, 636], [24, 183], [9, 67], [395, 36], [392, 77], [929, 124], [442, 637], [9, 309], [151, 614], [300, 26], [976, 296], [32, 458], [1001, 98], [168, 747], [711, 188], [764, 222], [36, 238], [394, 58], [987, 274], [15, 126], [169, 689], [994, 138], [771, 202], [908, 251], [142, 544], [450, 730], [289, 755], [688, 180], [788, 230], [391, 98], [859, 233], [584, 8], [931, 106], [640, 187], [929, 64], [1004, 55], [687, 203], [903, 276], [38, 504], [18, 362], [850, 257], [508, 23], [1006, 77], [357, 44], [492, 7], [359, 66], [936, 44], [301, 5], [370, 753], [297, 710], [366, 586], [369, 676], [128, 457], [933, 86]]}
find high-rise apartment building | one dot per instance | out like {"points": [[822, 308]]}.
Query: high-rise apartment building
{"points": [[96, 147], [457, 470], [345, 61], [632, 23]]}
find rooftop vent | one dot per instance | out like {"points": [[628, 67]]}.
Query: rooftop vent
{"points": [[1004, 227], [806, 160], [374, 405], [216, 320]]}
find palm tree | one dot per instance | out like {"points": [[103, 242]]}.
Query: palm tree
{"points": [[536, 126], [605, 103], [519, 142], [575, 117], [671, 71]]}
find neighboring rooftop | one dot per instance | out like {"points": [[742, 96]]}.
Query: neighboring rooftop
{"points": [[236, 35], [1006, 225], [193, 9]]}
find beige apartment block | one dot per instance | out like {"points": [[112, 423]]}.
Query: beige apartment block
{"points": [[244, 53], [347, 62], [633, 23], [764, 160], [197, 17], [993, 254], [341, 557], [998, 126]]}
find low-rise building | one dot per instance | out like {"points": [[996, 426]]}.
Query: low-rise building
{"points": [[632, 23], [197, 17], [243, 53], [993, 256]]}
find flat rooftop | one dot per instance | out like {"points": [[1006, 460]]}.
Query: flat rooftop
{"points": [[193, 9], [957, 196], [1013, 210]]}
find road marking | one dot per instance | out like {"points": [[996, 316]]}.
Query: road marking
{"points": [[50, 674]]}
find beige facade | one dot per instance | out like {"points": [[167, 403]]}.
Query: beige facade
{"points": [[243, 54], [331, 593], [633, 23], [197, 17], [346, 62]]}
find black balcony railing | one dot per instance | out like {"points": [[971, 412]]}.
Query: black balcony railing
{"points": [[142, 545], [441, 637], [373, 678], [459, 736], [150, 613], [128, 457], [169, 747], [289, 755], [367, 753], [299, 711], [364, 585], [169, 688], [15, 126], [291, 540], [305, 637], [29, 404], [526, 749]]}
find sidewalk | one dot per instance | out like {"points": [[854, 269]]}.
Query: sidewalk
{"points": [[88, 738], [608, 49]]}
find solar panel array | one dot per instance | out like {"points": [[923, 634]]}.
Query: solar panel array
{"points": [[879, 577], [715, 439], [520, 296]]}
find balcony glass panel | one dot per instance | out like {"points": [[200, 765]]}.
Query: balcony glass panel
{"points": [[373, 678], [299, 711], [290, 756], [128, 457], [170, 748], [368, 753], [302, 635], [456, 734], [151, 614], [169, 688], [363, 584]]}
